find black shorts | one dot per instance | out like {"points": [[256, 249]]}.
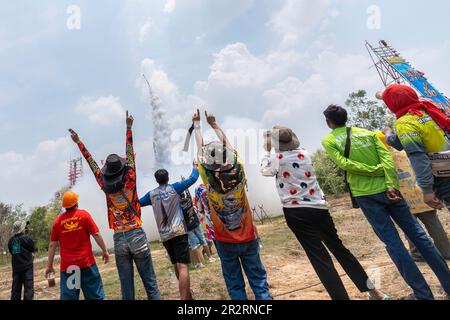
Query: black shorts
{"points": [[178, 249]]}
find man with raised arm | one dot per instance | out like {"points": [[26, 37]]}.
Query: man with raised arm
{"points": [[118, 181], [223, 175]]}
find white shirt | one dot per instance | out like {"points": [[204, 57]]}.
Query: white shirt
{"points": [[296, 179]]}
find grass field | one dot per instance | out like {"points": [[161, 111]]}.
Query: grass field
{"points": [[290, 273]]}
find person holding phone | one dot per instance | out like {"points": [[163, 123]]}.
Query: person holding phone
{"points": [[374, 183]]}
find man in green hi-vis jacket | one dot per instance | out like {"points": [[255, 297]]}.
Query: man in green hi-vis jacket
{"points": [[373, 181]]}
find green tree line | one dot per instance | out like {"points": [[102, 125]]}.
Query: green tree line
{"points": [[40, 222]]}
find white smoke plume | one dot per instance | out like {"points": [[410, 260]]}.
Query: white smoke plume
{"points": [[161, 131]]}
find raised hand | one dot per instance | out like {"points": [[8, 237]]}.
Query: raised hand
{"points": [[211, 119], [196, 116], [74, 136], [130, 120]]}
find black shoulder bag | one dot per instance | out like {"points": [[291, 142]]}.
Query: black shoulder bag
{"points": [[348, 145]]}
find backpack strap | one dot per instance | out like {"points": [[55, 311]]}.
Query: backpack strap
{"points": [[348, 145]]}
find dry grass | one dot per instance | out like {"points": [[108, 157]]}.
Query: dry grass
{"points": [[287, 266]]}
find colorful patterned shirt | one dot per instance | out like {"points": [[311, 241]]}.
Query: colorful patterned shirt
{"points": [[295, 178], [421, 136], [230, 210], [121, 216]]}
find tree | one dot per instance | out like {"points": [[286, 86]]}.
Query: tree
{"points": [[329, 176], [366, 113], [8, 215], [39, 227]]}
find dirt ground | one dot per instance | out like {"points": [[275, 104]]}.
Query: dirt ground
{"points": [[290, 274]]}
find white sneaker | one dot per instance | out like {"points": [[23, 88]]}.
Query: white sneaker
{"points": [[211, 260], [199, 265]]}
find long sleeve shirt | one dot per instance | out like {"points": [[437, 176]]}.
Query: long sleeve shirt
{"points": [[295, 179], [420, 136], [370, 167], [121, 216], [21, 248]]}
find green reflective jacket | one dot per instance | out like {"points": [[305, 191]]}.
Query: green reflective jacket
{"points": [[370, 167]]}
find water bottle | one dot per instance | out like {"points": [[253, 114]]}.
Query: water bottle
{"points": [[171, 276]]}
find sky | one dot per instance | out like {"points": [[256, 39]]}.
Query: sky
{"points": [[253, 63]]}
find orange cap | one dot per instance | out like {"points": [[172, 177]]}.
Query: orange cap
{"points": [[69, 200]]}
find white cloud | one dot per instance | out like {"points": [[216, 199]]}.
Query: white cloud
{"points": [[145, 29], [297, 17], [101, 111], [31, 179], [170, 6]]}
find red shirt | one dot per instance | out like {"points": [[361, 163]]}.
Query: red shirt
{"points": [[72, 230]]}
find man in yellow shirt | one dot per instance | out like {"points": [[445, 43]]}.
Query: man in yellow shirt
{"points": [[414, 197]]}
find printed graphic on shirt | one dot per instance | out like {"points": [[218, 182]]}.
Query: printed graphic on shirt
{"points": [[16, 247], [230, 211], [419, 134], [120, 215], [168, 214], [71, 224]]}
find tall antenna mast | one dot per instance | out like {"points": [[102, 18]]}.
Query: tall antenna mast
{"points": [[393, 68]]}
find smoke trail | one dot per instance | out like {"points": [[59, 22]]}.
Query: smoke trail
{"points": [[161, 130]]}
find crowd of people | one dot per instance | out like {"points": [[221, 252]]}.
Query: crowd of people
{"points": [[387, 173]]}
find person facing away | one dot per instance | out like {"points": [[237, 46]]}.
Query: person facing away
{"points": [[196, 237], [117, 179], [165, 200], [72, 230], [21, 247], [373, 181], [306, 212], [424, 132], [414, 197], [223, 175], [201, 202]]}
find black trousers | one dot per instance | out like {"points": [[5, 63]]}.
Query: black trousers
{"points": [[23, 279], [315, 229]]}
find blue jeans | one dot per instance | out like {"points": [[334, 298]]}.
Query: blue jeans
{"points": [[197, 238], [234, 257], [133, 246], [381, 214], [90, 283]]}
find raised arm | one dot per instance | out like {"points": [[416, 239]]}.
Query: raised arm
{"points": [[197, 130], [268, 167], [219, 132], [129, 142], [183, 185], [89, 159]]}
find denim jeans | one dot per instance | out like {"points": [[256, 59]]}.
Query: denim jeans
{"points": [[442, 190], [237, 256], [133, 246], [381, 214], [90, 283]]}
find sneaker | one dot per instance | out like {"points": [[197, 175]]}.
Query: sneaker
{"points": [[199, 265], [211, 260], [409, 297], [385, 297]]}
